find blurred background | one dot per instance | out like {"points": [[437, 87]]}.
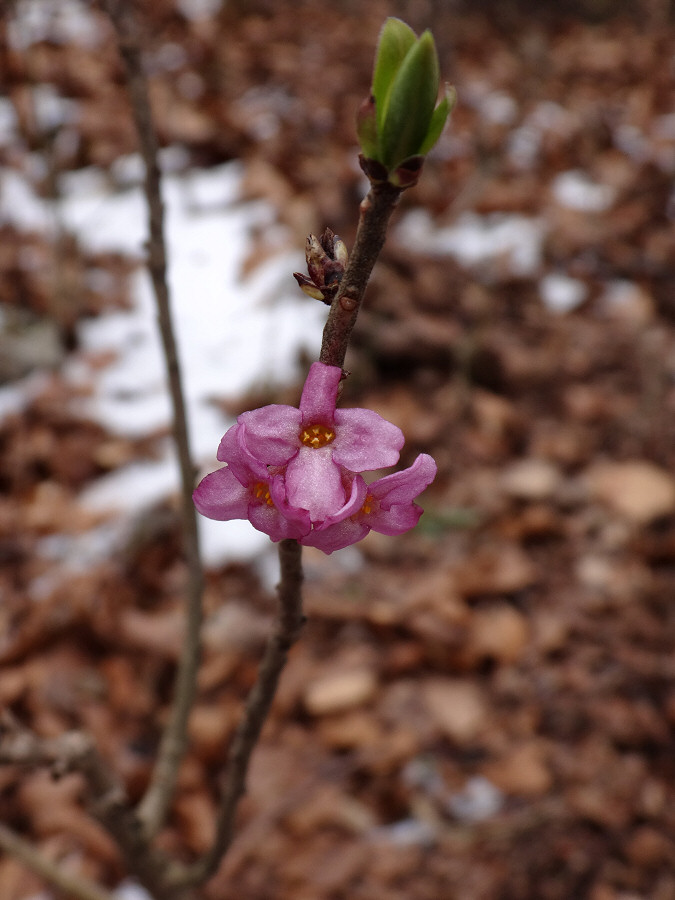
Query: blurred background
{"points": [[484, 708]]}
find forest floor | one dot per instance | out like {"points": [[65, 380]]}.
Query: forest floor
{"points": [[484, 708]]}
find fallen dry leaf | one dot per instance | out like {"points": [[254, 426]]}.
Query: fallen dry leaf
{"points": [[638, 490], [339, 691], [458, 708]]}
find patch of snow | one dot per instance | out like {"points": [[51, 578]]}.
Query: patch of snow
{"points": [[8, 121], [233, 332], [133, 487], [499, 107], [575, 190], [52, 111], [168, 58], [79, 552], [199, 9], [524, 143], [478, 800], [263, 109], [631, 141], [101, 220], [130, 890], [223, 541], [474, 240], [550, 116], [658, 146], [61, 21], [561, 294], [406, 833], [17, 396], [522, 147], [138, 486], [128, 170], [493, 105], [19, 203]]}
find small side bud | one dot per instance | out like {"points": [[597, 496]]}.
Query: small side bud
{"points": [[308, 287], [316, 257], [326, 262], [340, 251]]}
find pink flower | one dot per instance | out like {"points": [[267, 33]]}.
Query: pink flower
{"points": [[386, 506], [295, 473], [248, 490], [317, 442]]}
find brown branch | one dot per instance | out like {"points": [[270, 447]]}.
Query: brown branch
{"points": [[66, 882], [374, 214], [287, 628], [106, 798], [154, 806]]}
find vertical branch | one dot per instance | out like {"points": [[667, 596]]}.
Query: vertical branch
{"points": [[290, 620], [374, 214], [154, 806]]}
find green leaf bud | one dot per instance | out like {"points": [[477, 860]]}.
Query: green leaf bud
{"points": [[396, 39], [400, 120]]}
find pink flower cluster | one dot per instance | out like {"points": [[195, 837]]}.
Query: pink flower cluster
{"points": [[295, 473]]}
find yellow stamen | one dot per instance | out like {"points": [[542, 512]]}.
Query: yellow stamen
{"points": [[367, 507], [317, 436], [261, 492]]}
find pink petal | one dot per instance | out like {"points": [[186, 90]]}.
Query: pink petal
{"points": [[229, 444], [319, 394], [233, 451], [220, 496], [365, 441], [352, 506], [298, 517], [314, 483], [270, 433], [399, 518], [337, 536], [404, 486], [270, 521], [343, 528]]}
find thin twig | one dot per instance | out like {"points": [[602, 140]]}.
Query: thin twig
{"points": [[71, 885], [154, 806], [286, 631], [374, 214]]}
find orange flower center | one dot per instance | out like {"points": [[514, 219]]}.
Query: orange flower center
{"points": [[367, 507], [261, 492], [317, 436]]}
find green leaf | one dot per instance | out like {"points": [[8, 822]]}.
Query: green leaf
{"points": [[396, 39], [412, 97], [366, 128], [438, 120]]}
